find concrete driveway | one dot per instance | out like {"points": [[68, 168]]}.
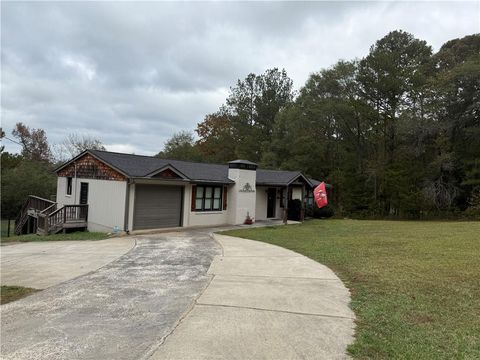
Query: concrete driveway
{"points": [[120, 311], [186, 296], [264, 302], [42, 264]]}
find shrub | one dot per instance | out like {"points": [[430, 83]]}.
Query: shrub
{"points": [[294, 210], [325, 212]]}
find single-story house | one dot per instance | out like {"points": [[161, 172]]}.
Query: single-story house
{"points": [[135, 192]]}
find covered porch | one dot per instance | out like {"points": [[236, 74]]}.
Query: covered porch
{"points": [[278, 201]]}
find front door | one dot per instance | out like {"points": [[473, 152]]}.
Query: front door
{"points": [[271, 202], [83, 193]]}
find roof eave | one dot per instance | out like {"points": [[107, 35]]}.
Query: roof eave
{"points": [[165, 167], [300, 175], [206, 181], [96, 157]]}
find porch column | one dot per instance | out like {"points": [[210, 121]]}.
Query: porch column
{"points": [[302, 212], [285, 207]]}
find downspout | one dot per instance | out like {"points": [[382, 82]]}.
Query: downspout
{"points": [[127, 207], [75, 178]]}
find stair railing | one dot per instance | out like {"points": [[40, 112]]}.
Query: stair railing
{"points": [[35, 203]]}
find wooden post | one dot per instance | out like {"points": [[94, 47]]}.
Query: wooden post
{"points": [[285, 207], [29, 224], [302, 212], [8, 228]]}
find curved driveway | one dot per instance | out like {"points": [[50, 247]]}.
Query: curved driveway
{"points": [[264, 302], [166, 299], [117, 312]]}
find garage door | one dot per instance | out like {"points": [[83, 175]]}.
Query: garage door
{"points": [[157, 207]]}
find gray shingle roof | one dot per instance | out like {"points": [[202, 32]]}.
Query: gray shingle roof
{"points": [[276, 177], [140, 166]]}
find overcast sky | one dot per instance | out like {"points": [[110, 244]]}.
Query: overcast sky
{"points": [[132, 74]]}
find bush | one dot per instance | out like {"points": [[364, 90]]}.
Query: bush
{"points": [[325, 212], [473, 210], [294, 210]]}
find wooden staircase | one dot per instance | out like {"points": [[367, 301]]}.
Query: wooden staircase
{"points": [[43, 216]]}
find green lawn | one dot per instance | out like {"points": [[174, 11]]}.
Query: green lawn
{"points": [[415, 285], [4, 227], [12, 293], [78, 235]]}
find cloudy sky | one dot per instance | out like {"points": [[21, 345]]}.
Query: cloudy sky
{"points": [[132, 74]]}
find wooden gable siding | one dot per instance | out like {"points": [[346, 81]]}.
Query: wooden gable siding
{"points": [[167, 173], [90, 168]]}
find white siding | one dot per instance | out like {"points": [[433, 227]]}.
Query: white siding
{"points": [[279, 210], [190, 218], [199, 218], [243, 202], [261, 203], [62, 197], [106, 201]]}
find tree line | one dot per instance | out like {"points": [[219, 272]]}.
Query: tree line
{"points": [[396, 133], [31, 171]]}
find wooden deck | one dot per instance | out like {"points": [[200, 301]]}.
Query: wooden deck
{"points": [[43, 216]]}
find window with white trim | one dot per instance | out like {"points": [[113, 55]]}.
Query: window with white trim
{"points": [[69, 186]]}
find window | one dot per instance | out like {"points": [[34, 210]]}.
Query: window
{"points": [[208, 198], [69, 186], [309, 197]]}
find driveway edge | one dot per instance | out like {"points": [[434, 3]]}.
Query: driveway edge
{"points": [[264, 301]]}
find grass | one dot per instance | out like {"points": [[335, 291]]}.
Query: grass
{"points": [[4, 227], [415, 285], [77, 235], [12, 293]]}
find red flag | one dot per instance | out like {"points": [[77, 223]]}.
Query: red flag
{"points": [[320, 195]]}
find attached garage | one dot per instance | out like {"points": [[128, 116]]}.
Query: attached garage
{"points": [[157, 206]]}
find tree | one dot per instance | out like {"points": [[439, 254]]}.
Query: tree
{"points": [[27, 174], [252, 106], [396, 133], [181, 146], [216, 143], [74, 144], [2, 135], [10, 161], [457, 81], [393, 79], [26, 178], [34, 143], [324, 133]]}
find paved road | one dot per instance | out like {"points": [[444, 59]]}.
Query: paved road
{"points": [[121, 311], [43, 264], [264, 302]]}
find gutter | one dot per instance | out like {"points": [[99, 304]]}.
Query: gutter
{"points": [[127, 206]]}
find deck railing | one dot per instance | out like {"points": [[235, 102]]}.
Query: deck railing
{"points": [[59, 218], [34, 203]]}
